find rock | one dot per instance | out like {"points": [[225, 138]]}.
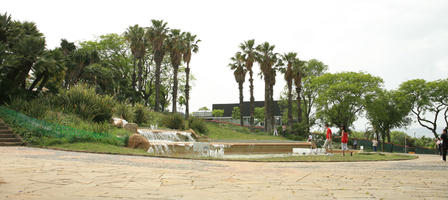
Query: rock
{"points": [[131, 127], [138, 141], [193, 134], [117, 122]]}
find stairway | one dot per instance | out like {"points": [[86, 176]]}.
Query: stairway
{"points": [[7, 137]]}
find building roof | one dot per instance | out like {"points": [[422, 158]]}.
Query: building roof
{"points": [[228, 108]]}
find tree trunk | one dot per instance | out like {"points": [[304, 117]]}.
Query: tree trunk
{"points": [[299, 100], [133, 74], [267, 119], [140, 74], [157, 85], [174, 95], [252, 99], [271, 105], [187, 91], [240, 87], [35, 82], [42, 84], [290, 103]]}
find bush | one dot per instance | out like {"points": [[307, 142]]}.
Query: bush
{"points": [[36, 108], [173, 121], [124, 111], [142, 114], [83, 101], [197, 124]]}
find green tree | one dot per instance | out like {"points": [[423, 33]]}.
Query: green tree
{"points": [[135, 35], [342, 96], [157, 35], [427, 97], [176, 46], [236, 114], [268, 60], [259, 114], [218, 113], [240, 76], [387, 110], [248, 52], [290, 59], [191, 46]]}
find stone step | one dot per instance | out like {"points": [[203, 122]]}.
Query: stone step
{"points": [[5, 131], [7, 135], [3, 127], [9, 140], [11, 144]]}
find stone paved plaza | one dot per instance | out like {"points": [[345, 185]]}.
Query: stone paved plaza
{"points": [[31, 173]]}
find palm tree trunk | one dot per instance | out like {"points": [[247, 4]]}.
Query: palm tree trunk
{"points": [[174, 95], [140, 74], [187, 91], [252, 99], [290, 103], [35, 82], [267, 107], [240, 87], [157, 85], [42, 84], [133, 74], [271, 105], [299, 100]]}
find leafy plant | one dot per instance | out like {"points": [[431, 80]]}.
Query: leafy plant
{"points": [[173, 121], [197, 124]]}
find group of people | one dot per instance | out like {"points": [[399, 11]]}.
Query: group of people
{"points": [[344, 139], [442, 144]]}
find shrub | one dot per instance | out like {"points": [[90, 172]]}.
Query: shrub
{"points": [[197, 124], [36, 108], [142, 114], [173, 121], [83, 101], [124, 111]]}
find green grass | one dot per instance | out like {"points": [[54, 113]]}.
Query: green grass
{"points": [[231, 132], [99, 148]]}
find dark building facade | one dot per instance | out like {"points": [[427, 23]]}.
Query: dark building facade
{"points": [[228, 108]]}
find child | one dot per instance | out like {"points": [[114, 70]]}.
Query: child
{"points": [[344, 140]]}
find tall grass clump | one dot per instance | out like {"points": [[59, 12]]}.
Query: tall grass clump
{"points": [[197, 124], [173, 121], [83, 101], [142, 114], [36, 108], [125, 111]]}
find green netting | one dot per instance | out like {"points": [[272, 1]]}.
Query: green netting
{"points": [[43, 128]]}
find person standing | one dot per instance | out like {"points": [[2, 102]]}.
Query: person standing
{"points": [[275, 132], [355, 144], [439, 145], [327, 144], [374, 144], [444, 144], [344, 140], [284, 130]]}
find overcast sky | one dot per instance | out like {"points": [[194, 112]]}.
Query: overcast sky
{"points": [[395, 40]]}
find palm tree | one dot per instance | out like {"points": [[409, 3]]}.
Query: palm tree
{"points": [[157, 35], [297, 76], [248, 50], [176, 44], [135, 35], [291, 60], [191, 46], [240, 76], [267, 59]]}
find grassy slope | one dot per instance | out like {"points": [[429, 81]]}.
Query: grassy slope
{"points": [[231, 132]]}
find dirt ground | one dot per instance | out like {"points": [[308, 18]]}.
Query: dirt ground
{"points": [[31, 173]]}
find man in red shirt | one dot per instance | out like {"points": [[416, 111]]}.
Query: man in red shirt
{"points": [[344, 140], [327, 144]]}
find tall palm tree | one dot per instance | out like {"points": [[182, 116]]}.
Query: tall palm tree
{"points": [[135, 35], [157, 35], [240, 76], [176, 45], [267, 59], [297, 76], [248, 51], [290, 59], [191, 46]]}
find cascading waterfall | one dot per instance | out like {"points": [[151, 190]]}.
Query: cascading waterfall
{"points": [[171, 141]]}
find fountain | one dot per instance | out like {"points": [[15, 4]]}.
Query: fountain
{"points": [[163, 142]]}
